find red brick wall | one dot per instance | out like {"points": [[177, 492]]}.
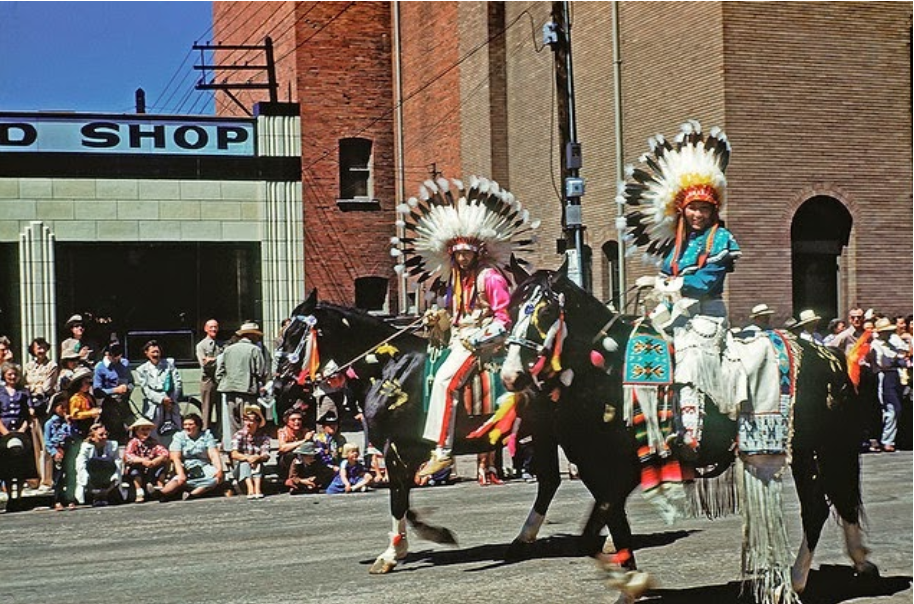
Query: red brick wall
{"points": [[340, 62]]}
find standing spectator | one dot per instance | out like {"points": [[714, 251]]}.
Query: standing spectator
{"points": [[77, 331], [6, 350], [41, 381], [162, 387], [113, 384], [41, 372], [291, 436], [251, 449], [69, 361], [17, 462], [196, 460], [307, 473], [58, 438], [145, 460], [208, 350], [835, 327], [98, 468], [806, 324], [329, 442], [886, 359], [241, 373], [847, 338], [759, 318]]}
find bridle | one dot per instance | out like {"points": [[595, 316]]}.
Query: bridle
{"points": [[549, 340]]}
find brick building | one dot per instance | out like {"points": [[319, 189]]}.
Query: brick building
{"points": [[815, 97]]}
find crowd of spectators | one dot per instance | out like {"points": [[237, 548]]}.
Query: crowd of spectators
{"points": [[69, 430]]}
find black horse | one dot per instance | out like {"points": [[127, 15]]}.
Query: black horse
{"points": [[825, 460], [392, 387]]}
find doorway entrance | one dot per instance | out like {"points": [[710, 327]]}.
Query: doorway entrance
{"points": [[819, 233]]}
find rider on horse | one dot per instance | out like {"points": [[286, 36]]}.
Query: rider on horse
{"points": [[466, 241], [676, 203]]}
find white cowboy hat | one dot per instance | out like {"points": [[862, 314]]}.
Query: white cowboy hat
{"points": [[760, 310], [249, 328], [72, 320], [807, 316], [884, 324], [69, 353]]}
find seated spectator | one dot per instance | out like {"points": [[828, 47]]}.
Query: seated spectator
{"points": [[307, 473], [197, 465], [98, 468], [250, 450], [353, 476], [291, 436], [145, 460], [162, 388], [329, 442], [58, 438], [17, 461], [113, 385]]}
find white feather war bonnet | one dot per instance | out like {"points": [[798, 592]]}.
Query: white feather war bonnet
{"points": [[447, 217], [673, 176]]}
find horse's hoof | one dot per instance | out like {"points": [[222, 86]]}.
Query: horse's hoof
{"points": [[519, 550], [867, 570], [632, 583], [382, 566]]}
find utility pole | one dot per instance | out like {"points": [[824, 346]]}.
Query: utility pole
{"points": [[269, 66], [558, 35]]}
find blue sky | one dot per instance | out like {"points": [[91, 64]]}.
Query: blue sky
{"points": [[92, 56]]}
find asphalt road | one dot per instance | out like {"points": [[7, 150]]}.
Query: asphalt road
{"points": [[318, 549]]}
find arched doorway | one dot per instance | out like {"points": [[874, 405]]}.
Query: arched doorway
{"points": [[819, 233]]}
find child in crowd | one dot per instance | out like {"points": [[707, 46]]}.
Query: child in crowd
{"points": [[329, 442], [98, 468], [375, 460], [307, 473], [353, 475], [145, 460], [250, 449], [58, 436]]}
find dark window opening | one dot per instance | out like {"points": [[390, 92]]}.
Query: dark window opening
{"points": [[371, 293], [355, 168]]}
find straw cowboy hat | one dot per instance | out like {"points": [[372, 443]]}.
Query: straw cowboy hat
{"points": [[249, 328], [142, 421], [73, 321], [69, 354], [807, 316], [884, 324], [254, 410], [760, 310]]}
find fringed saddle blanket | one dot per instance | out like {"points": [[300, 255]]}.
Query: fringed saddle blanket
{"points": [[761, 373], [648, 399]]}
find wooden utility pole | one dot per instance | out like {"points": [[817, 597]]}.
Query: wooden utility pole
{"points": [[559, 37], [269, 66]]}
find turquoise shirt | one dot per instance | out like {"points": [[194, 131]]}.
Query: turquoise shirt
{"points": [[706, 282]]}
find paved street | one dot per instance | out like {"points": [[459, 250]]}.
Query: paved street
{"points": [[318, 548]]}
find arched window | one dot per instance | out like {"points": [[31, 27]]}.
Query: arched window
{"points": [[819, 232]]}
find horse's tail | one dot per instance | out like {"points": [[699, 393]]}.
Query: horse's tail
{"points": [[430, 532]]}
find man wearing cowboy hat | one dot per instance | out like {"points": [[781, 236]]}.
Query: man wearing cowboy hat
{"points": [[241, 372], [805, 326], [886, 360], [759, 321]]}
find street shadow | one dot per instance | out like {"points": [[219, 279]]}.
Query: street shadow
{"points": [[829, 585], [501, 554]]}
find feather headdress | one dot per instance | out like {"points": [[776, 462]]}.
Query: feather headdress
{"points": [[674, 175], [446, 217]]}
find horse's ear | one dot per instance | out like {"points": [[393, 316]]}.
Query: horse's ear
{"points": [[518, 272], [307, 307]]}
